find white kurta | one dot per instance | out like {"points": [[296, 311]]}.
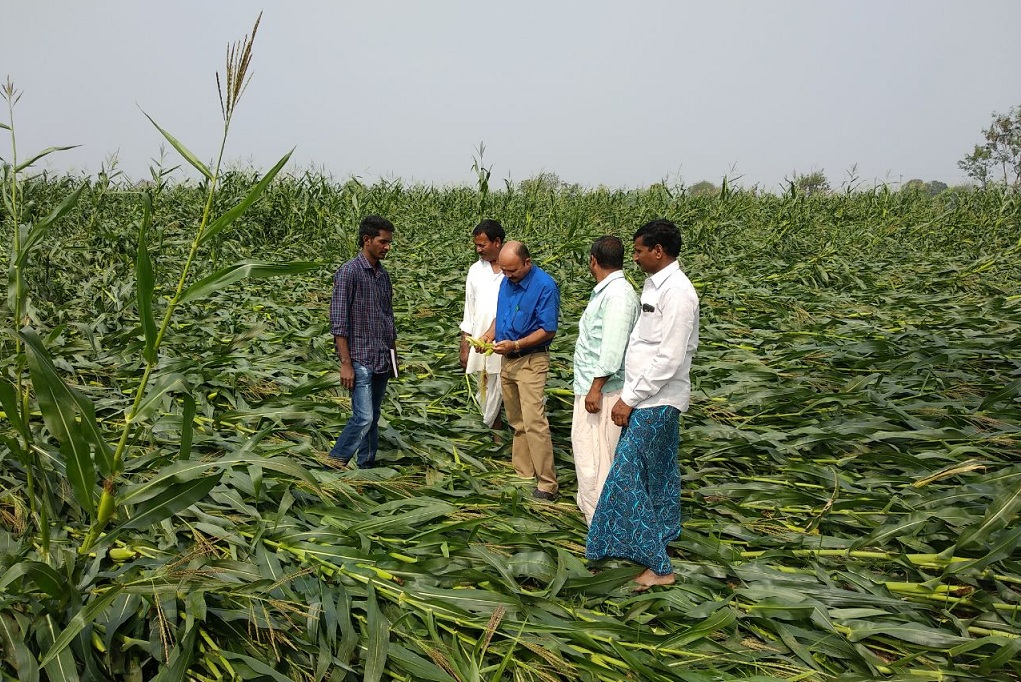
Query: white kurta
{"points": [[482, 286]]}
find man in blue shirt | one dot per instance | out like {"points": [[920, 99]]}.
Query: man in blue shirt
{"points": [[527, 309]]}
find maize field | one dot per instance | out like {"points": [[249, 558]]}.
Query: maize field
{"points": [[851, 460]]}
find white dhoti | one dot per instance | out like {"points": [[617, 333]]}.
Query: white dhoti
{"points": [[490, 396], [594, 439], [481, 290]]}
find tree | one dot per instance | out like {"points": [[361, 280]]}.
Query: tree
{"points": [[918, 185], [703, 188], [545, 182], [1001, 151], [977, 164], [811, 183]]}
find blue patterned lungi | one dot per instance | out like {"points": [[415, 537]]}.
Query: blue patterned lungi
{"points": [[639, 510]]}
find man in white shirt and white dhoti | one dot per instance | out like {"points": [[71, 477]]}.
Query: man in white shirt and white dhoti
{"points": [[482, 286], [603, 333]]}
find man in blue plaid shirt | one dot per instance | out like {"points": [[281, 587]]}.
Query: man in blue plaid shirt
{"points": [[364, 335]]}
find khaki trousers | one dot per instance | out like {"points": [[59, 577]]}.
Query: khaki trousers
{"points": [[524, 399]]}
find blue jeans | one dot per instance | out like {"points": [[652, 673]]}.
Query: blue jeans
{"points": [[361, 433]]}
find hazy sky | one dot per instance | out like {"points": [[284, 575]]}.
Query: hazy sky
{"points": [[616, 93]]}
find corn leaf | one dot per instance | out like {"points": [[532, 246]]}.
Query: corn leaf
{"points": [[187, 425], [59, 663], [1002, 511], [158, 394], [46, 579], [222, 278], [170, 500], [378, 640], [46, 152], [227, 219], [183, 151], [60, 406], [11, 405], [180, 661], [145, 282], [39, 229], [19, 656], [82, 619]]}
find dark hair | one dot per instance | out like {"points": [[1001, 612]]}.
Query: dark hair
{"points": [[663, 233], [608, 252], [522, 252], [371, 226], [492, 229]]}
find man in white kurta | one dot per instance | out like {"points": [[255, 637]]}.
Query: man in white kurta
{"points": [[482, 286], [599, 369]]}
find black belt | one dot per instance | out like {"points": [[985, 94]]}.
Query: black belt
{"points": [[528, 351]]}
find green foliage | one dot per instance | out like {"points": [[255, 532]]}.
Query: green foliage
{"points": [[1000, 154], [810, 184], [931, 188], [849, 458], [703, 188]]}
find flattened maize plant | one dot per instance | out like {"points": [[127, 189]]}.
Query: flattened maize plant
{"points": [[851, 460]]}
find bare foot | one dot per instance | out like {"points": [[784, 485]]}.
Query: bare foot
{"points": [[649, 578]]}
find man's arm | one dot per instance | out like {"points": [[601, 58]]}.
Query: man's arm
{"points": [[340, 326], [618, 315], [347, 370], [547, 310], [467, 321], [536, 338], [594, 397], [490, 333]]}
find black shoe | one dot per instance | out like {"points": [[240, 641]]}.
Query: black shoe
{"points": [[543, 495]]}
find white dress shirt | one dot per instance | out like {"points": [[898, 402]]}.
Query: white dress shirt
{"points": [[662, 343]]}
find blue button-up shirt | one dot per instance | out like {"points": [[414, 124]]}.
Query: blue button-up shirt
{"points": [[531, 304]]}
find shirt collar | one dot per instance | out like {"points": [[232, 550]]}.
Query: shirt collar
{"points": [[364, 262], [527, 278], [662, 276], [487, 267], [615, 275]]}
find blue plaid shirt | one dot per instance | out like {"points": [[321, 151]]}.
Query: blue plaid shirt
{"points": [[361, 310]]}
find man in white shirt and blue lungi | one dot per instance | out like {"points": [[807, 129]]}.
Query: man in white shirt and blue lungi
{"points": [[639, 510]]}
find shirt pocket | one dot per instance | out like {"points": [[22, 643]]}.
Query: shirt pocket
{"points": [[650, 325]]}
